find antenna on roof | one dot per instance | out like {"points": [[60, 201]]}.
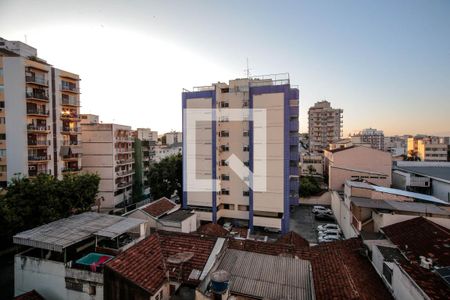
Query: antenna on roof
{"points": [[247, 70]]}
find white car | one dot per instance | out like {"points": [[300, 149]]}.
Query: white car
{"points": [[329, 238], [328, 226], [329, 232], [321, 210]]}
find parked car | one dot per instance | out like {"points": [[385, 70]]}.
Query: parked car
{"points": [[328, 238], [328, 226], [321, 210], [330, 232], [324, 217]]}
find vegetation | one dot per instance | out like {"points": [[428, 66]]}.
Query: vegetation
{"points": [[412, 156], [308, 186], [28, 203], [166, 177]]}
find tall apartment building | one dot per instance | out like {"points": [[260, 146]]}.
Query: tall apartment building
{"points": [[373, 137], [146, 134], [39, 115], [144, 143], [325, 125], [427, 148], [233, 196], [173, 137], [108, 151]]}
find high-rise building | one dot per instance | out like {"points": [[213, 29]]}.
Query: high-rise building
{"points": [[173, 137], [108, 151], [373, 137], [236, 134], [39, 115], [325, 125], [144, 143], [427, 148]]}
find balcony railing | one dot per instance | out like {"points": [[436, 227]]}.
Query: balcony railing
{"points": [[124, 184], [69, 101], [69, 88], [70, 143], [69, 116], [44, 128], [38, 143], [34, 173], [38, 157], [124, 173], [35, 111], [124, 138], [36, 95], [36, 80], [124, 161], [70, 129], [71, 156], [124, 150]]}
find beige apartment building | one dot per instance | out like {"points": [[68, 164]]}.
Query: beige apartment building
{"points": [[325, 125], [357, 163], [232, 133], [427, 148], [173, 137], [371, 136], [39, 115], [108, 151]]}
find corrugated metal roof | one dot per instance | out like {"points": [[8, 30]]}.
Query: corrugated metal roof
{"points": [[399, 206], [119, 228], [267, 276], [62, 233], [437, 172], [416, 196]]}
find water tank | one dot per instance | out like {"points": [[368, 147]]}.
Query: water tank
{"points": [[219, 281]]}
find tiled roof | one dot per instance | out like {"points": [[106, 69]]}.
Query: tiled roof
{"points": [[339, 149], [32, 295], [142, 264], [421, 237], [341, 272], [159, 207], [173, 243], [145, 263], [262, 247], [293, 238], [212, 229]]}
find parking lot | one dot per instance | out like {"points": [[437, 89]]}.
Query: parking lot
{"points": [[304, 223]]}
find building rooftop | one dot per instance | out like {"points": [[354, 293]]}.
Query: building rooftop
{"points": [[159, 207], [405, 206], [292, 238], [31, 295], [60, 234], [436, 172], [177, 216], [267, 276], [391, 254], [341, 271], [213, 229]]}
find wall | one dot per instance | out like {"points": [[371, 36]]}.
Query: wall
{"points": [[343, 215], [402, 286], [48, 279], [381, 220], [440, 190]]}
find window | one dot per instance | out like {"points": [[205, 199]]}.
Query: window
{"points": [[224, 148], [2, 136], [3, 168], [246, 163], [228, 206], [2, 152], [224, 104], [245, 133], [72, 284], [1, 72], [223, 162], [224, 192], [243, 207], [246, 148], [245, 193], [225, 177], [224, 133]]}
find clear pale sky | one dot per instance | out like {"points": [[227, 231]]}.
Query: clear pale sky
{"points": [[386, 63]]}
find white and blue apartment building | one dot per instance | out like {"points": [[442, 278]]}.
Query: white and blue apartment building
{"points": [[232, 196]]}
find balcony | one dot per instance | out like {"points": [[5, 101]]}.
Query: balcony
{"points": [[38, 112], [38, 158], [67, 100], [70, 143], [67, 170], [41, 96], [123, 173], [70, 130], [36, 80], [124, 161], [73, 156], [124, 138], [34, 173], [69, 88], [125, 184], [124, 150], [36, 128], [38, 143], [70, 116]]}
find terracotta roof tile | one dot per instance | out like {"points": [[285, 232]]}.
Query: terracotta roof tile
{"points": [[159, 207], [31, 295], [341, 272], [293, 238], [142, 264], [262, 247], [212, 229]]}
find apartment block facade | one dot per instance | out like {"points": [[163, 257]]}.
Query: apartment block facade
{"points": [[427, 148], [325, 125], [233, 196], [173, 137], [108, 151], [39, 115], [371, 136]]}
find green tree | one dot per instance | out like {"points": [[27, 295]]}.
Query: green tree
{"points": [[166, 177], [308, 186]]}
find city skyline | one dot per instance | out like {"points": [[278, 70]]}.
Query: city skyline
{"points": [[379, 62]]}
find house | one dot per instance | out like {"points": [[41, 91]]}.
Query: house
{"points": [[164, 214], [64, 259], [414, 261], [431, 178], [160, 265], [357, 162], [364, 207]]}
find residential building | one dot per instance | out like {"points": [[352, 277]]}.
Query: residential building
{"points": [[144, 150], [164, 214], [311, 164], [39, 115], [357, 162], [146, 134], [64, 259], [163, 151], [325, 125], [108, 151], [173, 137], [373, 137], [365, 208], [395, 144], [90, 119], [413, 260], [234, 135], [431, 178], [427, 148]]}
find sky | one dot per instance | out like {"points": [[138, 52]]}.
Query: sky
{"points": [[385, 63]]}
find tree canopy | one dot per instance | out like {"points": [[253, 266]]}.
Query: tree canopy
{"points": [[308, 186], [28, 203], [166, 177]]}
